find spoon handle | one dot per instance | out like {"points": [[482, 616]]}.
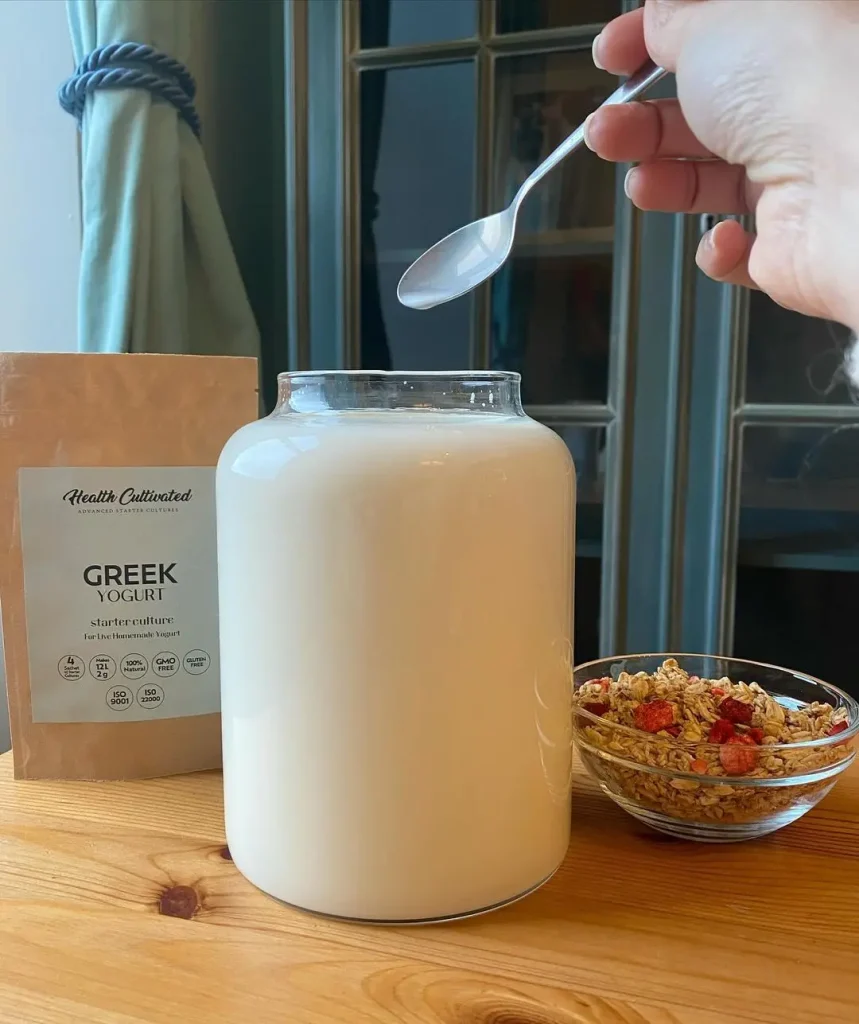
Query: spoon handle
{"points": [[646, 76]]}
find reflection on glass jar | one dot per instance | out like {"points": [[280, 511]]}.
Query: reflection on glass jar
{"points": [[587, 445]]}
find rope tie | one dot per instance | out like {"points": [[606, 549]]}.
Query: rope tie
{"points": [[132, 66]]}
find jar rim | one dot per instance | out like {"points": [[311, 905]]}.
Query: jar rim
{"points": [[484, 376]]}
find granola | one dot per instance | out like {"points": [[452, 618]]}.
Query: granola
{"points": [[696, 739]]}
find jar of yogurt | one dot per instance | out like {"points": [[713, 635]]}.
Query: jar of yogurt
{"points": [[395, 559]]}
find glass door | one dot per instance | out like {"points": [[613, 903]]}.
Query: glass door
{"points": [[796, 585], [418, 116], [550, 306], [712, 431], [772, 548]]}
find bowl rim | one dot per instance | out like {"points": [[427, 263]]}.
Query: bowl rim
{"points": [[841, 738]]}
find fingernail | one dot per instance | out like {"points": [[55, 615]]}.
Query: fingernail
{"points": [[706, 247], [586, 128], [627, 180], [594, 49], [708, 239]]}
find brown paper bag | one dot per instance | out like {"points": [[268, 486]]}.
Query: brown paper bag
{"points": [[108, 586]]}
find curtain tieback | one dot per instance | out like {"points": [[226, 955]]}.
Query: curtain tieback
{"points": [[132, 66]]}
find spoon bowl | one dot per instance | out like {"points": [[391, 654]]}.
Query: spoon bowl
{"points": [[473, 253], [459, 262]]}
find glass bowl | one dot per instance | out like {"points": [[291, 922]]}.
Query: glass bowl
{"points": [[682, 787]]}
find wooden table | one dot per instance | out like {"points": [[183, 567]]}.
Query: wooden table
{"points": [[119, 904]]}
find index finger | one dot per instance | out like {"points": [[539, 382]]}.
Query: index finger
{"points": [[620, 47]]}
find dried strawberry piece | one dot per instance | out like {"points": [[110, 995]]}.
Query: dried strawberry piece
{"points": [[835, 730], [721, 731], [700, 766], [605, 682], [654, 715], [738, 755], [598, 709], [673, 729], [694, 679], [717, 691], [757, 735], [736, 711]]}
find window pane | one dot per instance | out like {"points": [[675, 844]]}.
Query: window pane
{"points": [[794, 358], [587, 446], [525, 15], [409, 22], [797, 585], [551, 303], [417, 184]]}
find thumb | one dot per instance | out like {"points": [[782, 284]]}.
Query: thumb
{"points": [[723, 254]]}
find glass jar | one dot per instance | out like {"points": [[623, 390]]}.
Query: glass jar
{"points": [[395, 560]]}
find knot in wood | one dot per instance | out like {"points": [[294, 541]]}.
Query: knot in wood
{"points": [[179, 901]]}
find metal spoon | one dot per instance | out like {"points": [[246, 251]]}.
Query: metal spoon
{"points": [[472, 253]]}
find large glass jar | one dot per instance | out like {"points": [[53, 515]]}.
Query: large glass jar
{"points": [[395, 561]]}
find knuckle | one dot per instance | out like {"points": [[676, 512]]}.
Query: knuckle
{"points": [[660, 12], [662, 25]]}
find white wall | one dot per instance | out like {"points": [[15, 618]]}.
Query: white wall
{"points": [[39, 204], [39, 190]]}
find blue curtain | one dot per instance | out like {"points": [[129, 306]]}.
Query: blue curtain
{"points": [[158, 272]]}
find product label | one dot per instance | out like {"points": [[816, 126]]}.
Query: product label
{"points": [[120, 581]]}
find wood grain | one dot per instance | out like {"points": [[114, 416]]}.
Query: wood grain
{"points": [[119, 905]]}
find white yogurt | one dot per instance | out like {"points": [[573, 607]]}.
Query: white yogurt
{"points": [[396, 614]]}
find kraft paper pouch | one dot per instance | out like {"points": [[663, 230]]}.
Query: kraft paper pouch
{"points": [[108, 585]]}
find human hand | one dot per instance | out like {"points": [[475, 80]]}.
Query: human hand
{"points": [[764, 123]]}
